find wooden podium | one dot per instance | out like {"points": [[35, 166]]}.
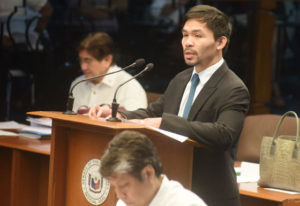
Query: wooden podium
{"points": [[76, 140]]}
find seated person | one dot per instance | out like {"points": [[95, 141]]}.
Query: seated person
{"points": [[96, 54], [166, 14], [39, 9], [132, 166], [103, 14]]}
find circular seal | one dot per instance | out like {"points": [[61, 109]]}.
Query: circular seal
{"points": [[95, 187]]}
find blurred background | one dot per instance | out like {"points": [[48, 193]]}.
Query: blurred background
{"points": [[39, 64]]}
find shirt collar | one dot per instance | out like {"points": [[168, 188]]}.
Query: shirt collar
{"points": [[205, 74], [157, 198]]}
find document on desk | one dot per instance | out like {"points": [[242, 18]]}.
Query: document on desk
{"points": [[248, 172], [37, 130], [40, 121], [11, 125], [173, 135], [280, 190], [6, 133]]}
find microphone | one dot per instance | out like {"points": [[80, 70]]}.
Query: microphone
{"points": [[70, 102], [115, 105]]}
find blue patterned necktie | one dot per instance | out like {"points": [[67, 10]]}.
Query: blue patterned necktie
{"points": [[188, 105]]}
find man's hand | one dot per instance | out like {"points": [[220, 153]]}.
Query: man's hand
{"points": [[153, 122], [97, 112]]}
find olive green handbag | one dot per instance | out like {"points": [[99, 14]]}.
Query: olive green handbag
{"points": [[280, 159]]}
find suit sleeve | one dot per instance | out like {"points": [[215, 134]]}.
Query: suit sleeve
{"points": [[224, 128], [217, 124]]}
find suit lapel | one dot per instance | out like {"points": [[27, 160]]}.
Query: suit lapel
{"points": [[207, 91]]}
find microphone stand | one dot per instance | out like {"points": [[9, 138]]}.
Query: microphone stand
{"points": [[114, 104], [70, 102], [114, 110]]}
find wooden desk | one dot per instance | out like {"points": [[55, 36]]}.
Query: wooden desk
{"points": [[24, 175], [24, 171], [30, 176], [76, 140], [253, 195]]}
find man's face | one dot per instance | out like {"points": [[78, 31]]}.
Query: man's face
{"points": [[131, 190], [90, 66], [200, 48]]}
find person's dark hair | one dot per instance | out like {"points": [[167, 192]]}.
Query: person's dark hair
{"points": [[98, 45], [215, 19], [129, 152]]}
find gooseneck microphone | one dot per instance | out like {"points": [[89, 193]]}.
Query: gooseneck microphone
{"points": [[115, 105], [70, 102]]}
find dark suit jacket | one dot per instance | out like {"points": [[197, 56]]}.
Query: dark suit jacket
{"points": [[215, 120]]}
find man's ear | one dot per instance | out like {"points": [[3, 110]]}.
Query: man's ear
{"points": [[108, 59], [148, 173], [221, 42]]}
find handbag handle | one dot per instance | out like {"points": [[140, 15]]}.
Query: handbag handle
{"points": [[296, 149]]}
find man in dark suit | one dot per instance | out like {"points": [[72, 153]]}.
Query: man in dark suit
{"points": [[207, 103]]}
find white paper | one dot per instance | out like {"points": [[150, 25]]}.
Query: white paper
{"points": [[280, 190], [173, 135], [37, 130], [40, 121], [249, 172], [6, 133], [11, 125]]}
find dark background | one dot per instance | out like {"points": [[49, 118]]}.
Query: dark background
{"points": [[56, 66]]}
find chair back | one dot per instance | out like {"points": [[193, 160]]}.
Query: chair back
{"points": [[255, 128], [152, 96]]}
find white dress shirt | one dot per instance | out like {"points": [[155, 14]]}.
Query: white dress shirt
{"points": [[204, 76], [131, 95], [172, 193]]}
